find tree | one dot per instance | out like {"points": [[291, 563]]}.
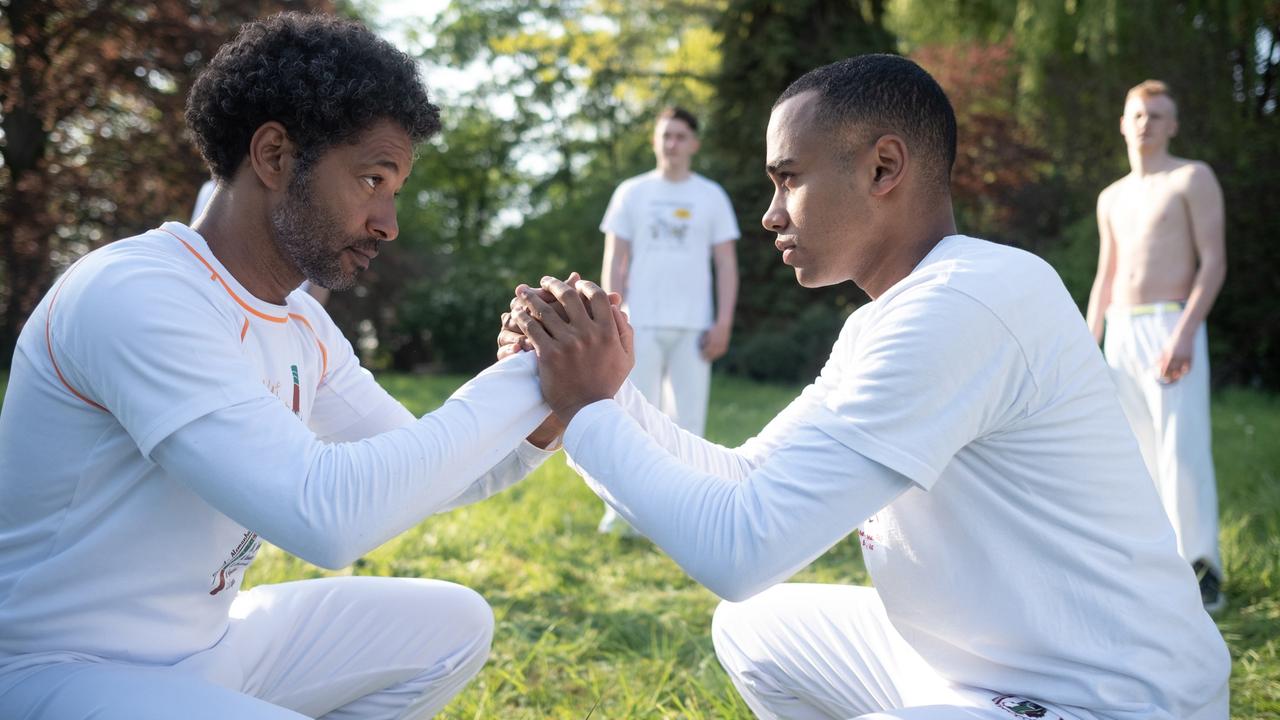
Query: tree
{"points": [[569, 94], [515, 186], [1076, 60], [91, 97], [1000, 173]]}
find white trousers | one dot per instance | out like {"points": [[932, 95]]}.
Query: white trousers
{"points": [[1171, 423], [672, 375], [337, 648], [829, 652]]}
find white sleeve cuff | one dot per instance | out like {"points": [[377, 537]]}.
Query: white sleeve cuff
{"points": [[532, 456], [586, 417]]}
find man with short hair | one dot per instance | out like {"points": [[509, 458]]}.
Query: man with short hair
{"points": [[174, 399], [664, 230], [1161, 262], [965, 428]]}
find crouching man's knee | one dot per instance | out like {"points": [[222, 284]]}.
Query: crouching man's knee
{"points": [[448, 636]]}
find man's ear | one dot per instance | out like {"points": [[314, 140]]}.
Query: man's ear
{"points": [[889, 162], [271, 155]]}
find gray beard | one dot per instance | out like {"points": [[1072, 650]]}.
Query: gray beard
{"points": [[308, 235]]}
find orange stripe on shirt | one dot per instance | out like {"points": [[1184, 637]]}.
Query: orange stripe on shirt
{"points": [[324, 354], [213, 274], [48, 343]]}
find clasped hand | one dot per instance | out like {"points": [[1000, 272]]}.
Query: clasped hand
{"points": [[582, 339], [1175, 361]]}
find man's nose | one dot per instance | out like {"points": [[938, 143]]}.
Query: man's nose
{"points": [[775, 218], [382, 222]]}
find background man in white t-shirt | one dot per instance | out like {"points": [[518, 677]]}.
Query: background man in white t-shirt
{"points": [[174, 400], [664, 230], [1162, 260], [965, 428]]}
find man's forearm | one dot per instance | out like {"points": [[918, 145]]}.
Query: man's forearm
{"points": [[1204, 291], [726, 297], [735, 535], [328, 503], [510, 470], [617, 257], [618, 282], [726, 267], [1095, 315]]}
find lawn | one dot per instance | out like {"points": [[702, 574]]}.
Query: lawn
{"points": [[585, 621]]}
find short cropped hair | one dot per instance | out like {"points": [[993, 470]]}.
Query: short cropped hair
{"points": [[324, 78], [866, 96], [1151, 88], [675, 112]]}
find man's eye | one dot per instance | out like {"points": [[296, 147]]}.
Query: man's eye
{"points": [[372, 180]]}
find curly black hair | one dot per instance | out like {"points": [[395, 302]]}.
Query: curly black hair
{"points": [[326, 79]]}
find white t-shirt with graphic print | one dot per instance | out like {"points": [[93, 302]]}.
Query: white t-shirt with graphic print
{"points": [[159, 418], [966, 427], [672, 227]]}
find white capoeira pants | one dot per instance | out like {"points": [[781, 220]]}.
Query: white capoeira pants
{"points": [[673, 376], [337, 648], [829, 652], [1170, 421]]}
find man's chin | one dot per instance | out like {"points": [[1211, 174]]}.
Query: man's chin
{"points": [[337, 281], [808, 279], [346, 282]]}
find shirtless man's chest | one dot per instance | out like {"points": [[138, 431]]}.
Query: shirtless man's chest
{"points": [[1150, 221]]}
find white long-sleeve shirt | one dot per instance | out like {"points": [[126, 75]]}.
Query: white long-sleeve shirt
{"points": [[723, 514], [965, 426], [159, 419]]}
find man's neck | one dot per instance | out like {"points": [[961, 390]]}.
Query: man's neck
{"points": [[1142, 164], [238, 232], [900, 255], [674, 173]]}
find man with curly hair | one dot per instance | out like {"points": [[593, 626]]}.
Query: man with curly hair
{"points": [[174, 400]]}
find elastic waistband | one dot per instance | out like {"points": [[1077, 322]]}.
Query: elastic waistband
{"points": [[1147, 309]]}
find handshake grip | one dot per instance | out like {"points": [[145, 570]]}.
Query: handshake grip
{"points": [[582, 339]]}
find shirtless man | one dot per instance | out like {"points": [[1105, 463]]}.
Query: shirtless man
{"points": [[1160, 267]]}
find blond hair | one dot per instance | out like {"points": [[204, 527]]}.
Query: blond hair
{"points": [[1150, 88]]}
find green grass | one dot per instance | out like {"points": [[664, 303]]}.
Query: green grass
{"points": [[585, 619], [1246, 453]]}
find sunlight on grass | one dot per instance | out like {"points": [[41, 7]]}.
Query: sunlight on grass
{"points": [[585, 619]]}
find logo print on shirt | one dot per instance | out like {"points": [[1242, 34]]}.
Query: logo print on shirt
{"points": [[867, 539], [1022, 707], [294, 403], [670, 224], [240, 558]]}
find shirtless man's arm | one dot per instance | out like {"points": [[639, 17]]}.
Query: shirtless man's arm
{"points": [[1100, 295], [1203, 198]]}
